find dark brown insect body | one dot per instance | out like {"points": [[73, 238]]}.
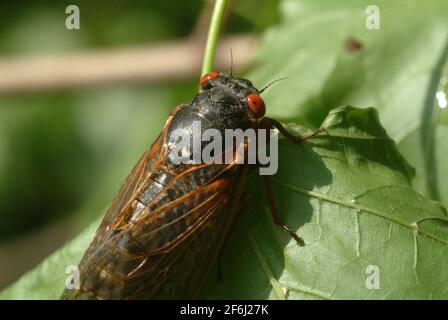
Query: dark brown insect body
{"points": [[164, 230]]}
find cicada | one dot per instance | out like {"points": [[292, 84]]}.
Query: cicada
{"points": [[164, 230]]}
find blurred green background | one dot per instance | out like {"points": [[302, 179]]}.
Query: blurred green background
{"points": [[64, 153]]}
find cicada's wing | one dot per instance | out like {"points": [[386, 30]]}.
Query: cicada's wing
{"points": [[178, 269], [152, 258], [166, 251], [138, 177], [137, 180]]}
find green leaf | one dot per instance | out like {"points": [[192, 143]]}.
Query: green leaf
{"points": [[349, 195], [398, 70]]}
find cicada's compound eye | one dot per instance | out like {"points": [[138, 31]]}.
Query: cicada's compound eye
{"points": [[204, 82], [256, 105]]}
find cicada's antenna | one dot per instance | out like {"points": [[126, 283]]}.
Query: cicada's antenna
{"points": [[271, 83], [231, 62]]}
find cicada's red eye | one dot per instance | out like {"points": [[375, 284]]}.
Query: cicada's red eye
{"points": [[256, 105], [206, 78]]}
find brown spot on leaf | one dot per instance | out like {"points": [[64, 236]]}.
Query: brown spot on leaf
{"points": [[352, 45]]}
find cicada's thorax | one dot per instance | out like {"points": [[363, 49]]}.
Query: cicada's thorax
{"points": [[212, 109], [215, 109]]}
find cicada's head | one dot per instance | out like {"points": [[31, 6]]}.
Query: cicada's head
{"points": [[234, 91]]}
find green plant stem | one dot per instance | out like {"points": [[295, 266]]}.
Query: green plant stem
{"points": [[213, 36]]}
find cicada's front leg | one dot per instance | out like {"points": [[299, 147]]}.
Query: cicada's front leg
{"points": [[269, 123]]}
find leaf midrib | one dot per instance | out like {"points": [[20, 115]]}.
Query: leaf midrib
{"points": [[360, 208]]}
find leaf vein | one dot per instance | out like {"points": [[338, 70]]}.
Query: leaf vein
{"points": [[359, 208], [267, 270]]}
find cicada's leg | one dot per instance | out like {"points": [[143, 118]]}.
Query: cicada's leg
{"points": [[268, 123], [274, 212]]}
